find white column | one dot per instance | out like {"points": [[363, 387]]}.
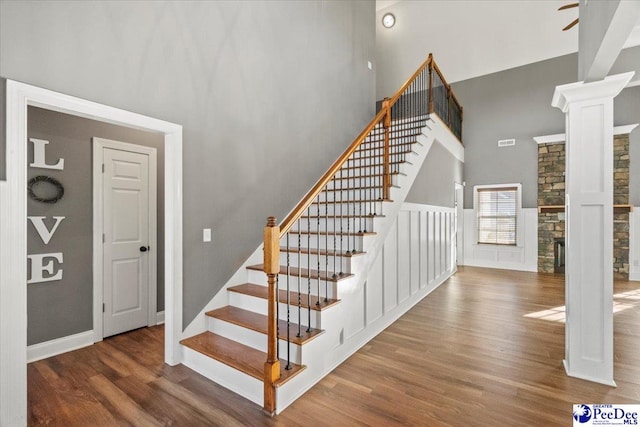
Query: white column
{"points": [[589, 225]]}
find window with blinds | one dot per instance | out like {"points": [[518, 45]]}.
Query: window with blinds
{"points": [[497, 210]]}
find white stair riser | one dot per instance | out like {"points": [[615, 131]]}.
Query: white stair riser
{"points": [[259, 305], [339, 264], [369, 191], [364, 223], [397, 137], [260, 278], [228, 377], [322, 241], [351, 207], [251, 338], [342, 184]]}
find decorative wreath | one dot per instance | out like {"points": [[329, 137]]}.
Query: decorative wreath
{"points": [[33, 182]]}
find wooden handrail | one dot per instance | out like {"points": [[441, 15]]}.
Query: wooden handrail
{"points": [[406, 84], [328, 176]]}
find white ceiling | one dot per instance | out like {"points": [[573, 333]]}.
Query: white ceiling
{"points": [[470, 38]]}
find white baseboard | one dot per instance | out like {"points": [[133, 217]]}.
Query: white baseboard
{"points": [[58, 346], [160, 318], [501, 265]]}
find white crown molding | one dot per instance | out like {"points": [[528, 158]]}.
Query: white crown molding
{"points": [[559, 138]]}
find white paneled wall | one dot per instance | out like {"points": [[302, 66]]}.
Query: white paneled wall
{"points": [[522, 257], [634, 244], [418, 255]]}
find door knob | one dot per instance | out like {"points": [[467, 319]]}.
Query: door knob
{"points": [[144, 248]]}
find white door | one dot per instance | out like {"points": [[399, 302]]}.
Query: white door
{"points": [[126, 213]]}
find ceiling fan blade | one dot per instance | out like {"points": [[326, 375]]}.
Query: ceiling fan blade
{"points": [[570, 26], [568, 6]]}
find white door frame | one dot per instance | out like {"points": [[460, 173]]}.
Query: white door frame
{"points": [[458, 190], [13, 229], [99, 144]]}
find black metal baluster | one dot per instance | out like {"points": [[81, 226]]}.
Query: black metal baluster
{"points": [[326, 246], [367, 180], [359, 193], [355, 201], [335, 237], [309, 269], [348, 198], [318, 246], [341, 219], [288, 367], [299, 281]]}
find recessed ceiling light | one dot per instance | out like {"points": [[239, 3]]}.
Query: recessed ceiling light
{"points": [[388, 20]]}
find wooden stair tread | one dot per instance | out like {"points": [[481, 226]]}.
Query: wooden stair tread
{"points": [[376, 188], [379, 138], [258, 322], [238, 356], [331, 233], [314, 274], [262, 292], [329, 216], [324, 202], [378, 156], [368, 176], [399, 127], [375, 165], [321, 252]]}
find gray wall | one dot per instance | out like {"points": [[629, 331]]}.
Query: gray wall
{"points": [[268, 92], [59, 308], [434, 184], [3, 133], [516, 103]]}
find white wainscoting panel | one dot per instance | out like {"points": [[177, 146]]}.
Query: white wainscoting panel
{"points": [[634, 244], [416, 257], [523, 257]]}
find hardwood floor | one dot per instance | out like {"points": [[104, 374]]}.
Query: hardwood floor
{"points": [[483, 349]]}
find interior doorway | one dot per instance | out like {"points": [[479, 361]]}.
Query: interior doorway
{"points": [[13, 245]]}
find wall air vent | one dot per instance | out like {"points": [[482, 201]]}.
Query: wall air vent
{"points": [[506, 142]]}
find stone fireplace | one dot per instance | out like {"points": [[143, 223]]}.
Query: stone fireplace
{"points": [[551, 219]]}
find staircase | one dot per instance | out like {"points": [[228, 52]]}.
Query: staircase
{"points": [[282, 331]]}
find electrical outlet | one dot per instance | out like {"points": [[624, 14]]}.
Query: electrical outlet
{"points": [[370, 65], [206, 235]]}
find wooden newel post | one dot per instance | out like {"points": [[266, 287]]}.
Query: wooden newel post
{"points": [[387, 149], [271, 268]]}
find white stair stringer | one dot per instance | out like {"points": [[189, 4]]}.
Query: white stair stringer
{"points": [[325, 352]]}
